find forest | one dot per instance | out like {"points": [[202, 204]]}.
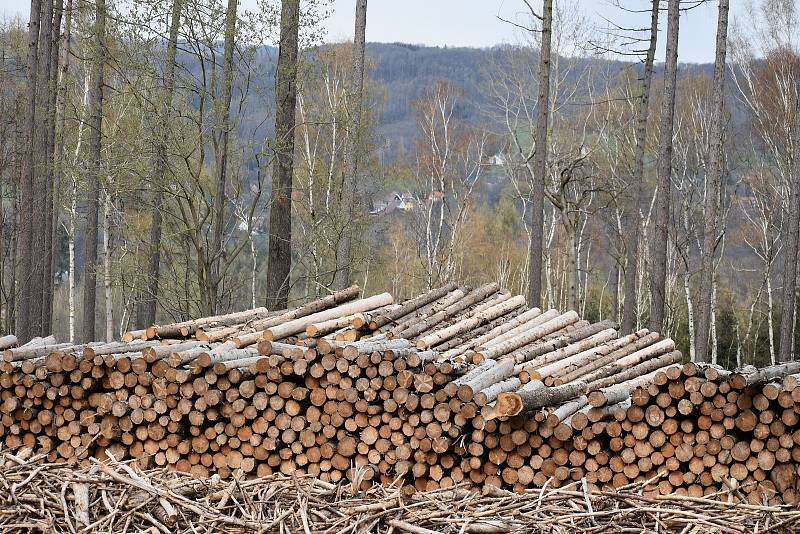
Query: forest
{"points": [[168, 159]]}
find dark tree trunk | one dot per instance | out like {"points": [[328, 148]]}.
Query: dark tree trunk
{"points": [[223, 133], [24, 281], [713, 185], [658, 281], [788, 298], [95, 170], [58, 131], [540, 160], [637, 180], [344, 254], [146, 306], [47, 223], [279, 261], [40, 264]]}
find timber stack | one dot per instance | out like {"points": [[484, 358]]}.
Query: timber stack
{"points": [[457, 386]]}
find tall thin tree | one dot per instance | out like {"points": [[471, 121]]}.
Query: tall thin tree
{"points": [[25, 243], [789, 296], [94, 167], [344, 253], [223, 135], [279, 259], [146, 305], [540, 158], [713, 186], [658, 280], [48, 192], [633, 217]]}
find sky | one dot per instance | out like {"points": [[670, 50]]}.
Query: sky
{"points": [[475, 22]]}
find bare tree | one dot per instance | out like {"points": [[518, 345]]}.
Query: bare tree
{"points": [[633, 217], [23, 316], [94, 172], [540, 158], [279, 260], [789, 297], [221, 138], [658, 280], [713, 186], [146, 306], [344, 253]]}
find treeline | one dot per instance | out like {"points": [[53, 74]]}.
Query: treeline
{"points": [[161, 163]]}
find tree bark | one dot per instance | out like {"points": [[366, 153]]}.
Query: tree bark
{"points": [[786, 347], [25, 329], [713, 184], [540, 161], [658, 281], [48, 269], [147, 302], [629, 307], [224, 127], [95, 169], [344, 254], [279, 260]]}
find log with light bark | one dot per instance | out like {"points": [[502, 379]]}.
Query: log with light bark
{"points": [[473, 297], [470, 323], [553, 325], [298, 325], [412, 305]]}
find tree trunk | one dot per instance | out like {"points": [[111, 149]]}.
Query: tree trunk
{"points": [[108, 291], [40, 263], [59, 140], [344, 254], [540, 161], [224, 125], [713, 183], [279, 261], [48, 213], [146, 305], [629, 315], [573, 271], [95, 169], [658, 281], [25, 329], [786, 347]]}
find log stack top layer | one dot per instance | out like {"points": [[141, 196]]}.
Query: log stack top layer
{"points": [[459, 385]]}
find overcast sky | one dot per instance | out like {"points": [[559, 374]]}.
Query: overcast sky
{"points": [[476, 23]]}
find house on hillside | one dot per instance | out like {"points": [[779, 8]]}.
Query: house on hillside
{"points": [[392, 202]]}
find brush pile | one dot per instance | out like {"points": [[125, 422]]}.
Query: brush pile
{"points": [[115, 497], [458, 387]]}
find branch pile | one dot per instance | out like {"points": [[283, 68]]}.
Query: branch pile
{"points": [[459, 386], [115, 497]]}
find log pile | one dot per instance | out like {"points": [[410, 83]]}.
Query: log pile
{"points": [[459, 386]]}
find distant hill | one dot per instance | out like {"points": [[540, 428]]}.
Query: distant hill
{"points": [[405, 71]]}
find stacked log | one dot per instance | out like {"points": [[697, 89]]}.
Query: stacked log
{"points": [[458, 386]]}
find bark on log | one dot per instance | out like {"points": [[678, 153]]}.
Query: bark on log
{"points": [[470, 299], [471, 323], [8, 341], [576, 354], [288, 328], [511, 404], [742, 380], [539, 320], [620, 392], [620, 348], [412, 305], [538, 332], [431, 309], [621, 373]]}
